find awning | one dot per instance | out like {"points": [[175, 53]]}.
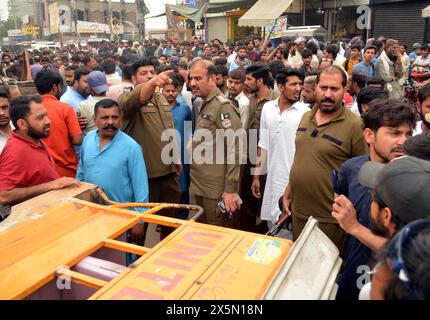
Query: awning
{"points": [[196, 14], [426, 12], [264, 13]]}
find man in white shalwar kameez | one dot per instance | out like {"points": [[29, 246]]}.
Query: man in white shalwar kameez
{"points": [[279, 122]]}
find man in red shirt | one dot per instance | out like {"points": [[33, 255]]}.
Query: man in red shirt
{"points": [[26, 168], [66, 131]]}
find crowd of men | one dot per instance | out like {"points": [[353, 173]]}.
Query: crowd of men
{"points": [[321, 130]]}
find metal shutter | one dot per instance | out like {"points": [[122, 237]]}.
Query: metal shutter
{"points": [[401, 21]]}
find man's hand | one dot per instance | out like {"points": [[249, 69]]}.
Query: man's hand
{"points": [[231, 201], [255, 187], [82, 121], [286, 201], [344, 213], [137, 234], [162, 79], [64, 182]]}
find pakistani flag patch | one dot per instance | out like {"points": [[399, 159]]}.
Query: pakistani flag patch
{"points": [[226, 121]]}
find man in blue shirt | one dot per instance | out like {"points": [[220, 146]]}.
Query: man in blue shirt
{"points": [[111, 159], [79, 89], [387, 125], [416, 53], [182, 121], [367, 66]]}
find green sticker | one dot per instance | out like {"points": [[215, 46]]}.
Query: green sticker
{"points": [[225, 116]]}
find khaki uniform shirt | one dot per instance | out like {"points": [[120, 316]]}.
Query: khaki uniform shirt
{"points": [[319, 151], [209, 177], [255, 108], [145, 123]]}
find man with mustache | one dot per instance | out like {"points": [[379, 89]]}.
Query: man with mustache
{"points": [[390, 68], [387, 125], [111, 159], [21, 179], [327, 136], [279, 121], [66, 132]]}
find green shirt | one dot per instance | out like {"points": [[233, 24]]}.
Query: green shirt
{"points": [[319, 151]]}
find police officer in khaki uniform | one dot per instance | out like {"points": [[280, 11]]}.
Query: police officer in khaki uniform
{"points": [[146, 114], [257, 83], [214, 177]]}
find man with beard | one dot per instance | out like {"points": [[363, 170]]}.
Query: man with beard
{"points": [[308, 92], [21, 179], [5, 126], [279, 121], [236, 85], [257, 84], [221, 78], [78, 89], [327, 136], [214, 180], [423, 108], [390, 68], [399, 196], [111, 159], [241, 60], [145, 115], [387, 125], [66, 131]]}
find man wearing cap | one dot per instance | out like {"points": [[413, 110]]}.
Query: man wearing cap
{"points": [[416, 53], [399, 196], [98, 84], [387, 125]]}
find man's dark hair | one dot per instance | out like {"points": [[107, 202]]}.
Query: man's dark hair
{"points": [[312, 47], [388, 113], [109, 66], [371, 47], [4, 92], [257, 38], [378, 44], [221, 62], [332, 70], [403, 45], [36, 59], [424, 93], [87, 59], [376, 80], [275, 66], [359, 78], [369, 94], [425, 47], [177, 80], [306, 53], [44, 59], [285, 73], [356, 46], [79, 72], [238, 74], [332, 49], [216, 46], [143, 62], [286, 40], [76, 58], [20, 107], [222, 70], [259, 70], [106, 104], [127, 71], [418, 146], [72, 67], [45, 80]]}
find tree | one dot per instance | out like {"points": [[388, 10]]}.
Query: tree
{"points": [[9, 24]]}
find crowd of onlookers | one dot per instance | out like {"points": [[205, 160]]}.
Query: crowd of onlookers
{"points": [[338, 131]]}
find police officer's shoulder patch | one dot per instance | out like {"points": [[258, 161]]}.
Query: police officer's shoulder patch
{"points": [[222, 99], [225, 115]]}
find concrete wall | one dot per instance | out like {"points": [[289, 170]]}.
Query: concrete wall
{"points": [[218, 28]]}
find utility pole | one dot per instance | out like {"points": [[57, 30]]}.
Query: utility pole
{"points": [[142, 11]]}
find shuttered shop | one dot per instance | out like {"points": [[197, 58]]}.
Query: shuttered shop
{"points": [[400, 20]]}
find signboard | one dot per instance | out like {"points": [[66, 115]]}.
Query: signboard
{"points": [[92, 27], [65, 20], [53, 18], [280, 27], [30, 30], [192, 3], [14, 32]]}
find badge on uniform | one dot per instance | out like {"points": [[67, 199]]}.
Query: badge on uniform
{"points": [[226, 122]]}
